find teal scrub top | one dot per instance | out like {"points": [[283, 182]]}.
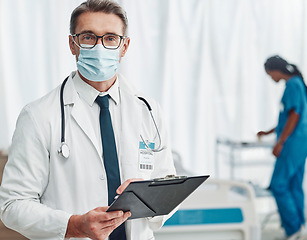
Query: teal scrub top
{"points": [[294, 152], [295, 98]]}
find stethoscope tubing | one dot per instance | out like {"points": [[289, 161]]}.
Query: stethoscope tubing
{"points": [[62, 111], [64, 149]]}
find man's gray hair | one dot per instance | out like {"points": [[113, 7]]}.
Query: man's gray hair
{"points": [[105, 6]]}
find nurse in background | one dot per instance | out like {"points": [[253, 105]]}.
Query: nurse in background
{"points": [[291, 146]]}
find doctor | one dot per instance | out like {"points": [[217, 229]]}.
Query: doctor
{"points": [[52, 193]]}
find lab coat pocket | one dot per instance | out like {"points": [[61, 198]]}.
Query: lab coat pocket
{"points": [[133, 170], [146, 160]]}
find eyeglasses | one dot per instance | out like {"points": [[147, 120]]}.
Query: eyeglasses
{"points": [[89, 40]]}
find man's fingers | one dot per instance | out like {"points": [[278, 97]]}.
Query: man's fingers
{"points": [[115, 222], [101, 209], [123, 219], [100, 215], [107, 216], [125, 184], [127, 215]]}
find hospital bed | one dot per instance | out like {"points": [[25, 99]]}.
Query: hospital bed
{"points": [[217, 210]]}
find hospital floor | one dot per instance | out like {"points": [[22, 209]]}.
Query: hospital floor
{"points": [[271, 226], [275, 233], [268, 218], [272, 229]]}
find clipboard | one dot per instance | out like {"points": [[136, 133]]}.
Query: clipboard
{"points": [[156, 197]]}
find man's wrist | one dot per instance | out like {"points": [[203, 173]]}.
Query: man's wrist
{"points": [[280, 141], [74, 228]]}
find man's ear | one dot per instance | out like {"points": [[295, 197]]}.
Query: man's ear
{"points": [[125, 46], [72, 45]]}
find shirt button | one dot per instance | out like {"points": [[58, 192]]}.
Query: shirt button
{"points": [[101, 177]]}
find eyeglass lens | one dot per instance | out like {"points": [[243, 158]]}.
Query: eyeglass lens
{"points": [[108, 40]]}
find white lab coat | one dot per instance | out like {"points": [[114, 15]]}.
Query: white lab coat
{"points": [[41, 190]]}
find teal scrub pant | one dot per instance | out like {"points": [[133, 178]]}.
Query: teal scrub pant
{"points": [[289, 195]]}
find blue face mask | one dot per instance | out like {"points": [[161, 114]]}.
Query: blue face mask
{"points": [[98, 64]]}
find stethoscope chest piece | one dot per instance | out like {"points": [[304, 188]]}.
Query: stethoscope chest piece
{"points": [[64, 150]]}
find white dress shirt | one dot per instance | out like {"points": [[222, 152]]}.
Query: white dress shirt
{"points": [[88, 94]]}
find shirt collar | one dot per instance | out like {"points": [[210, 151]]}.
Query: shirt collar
{"points": [[89, 94], [291, 79]]}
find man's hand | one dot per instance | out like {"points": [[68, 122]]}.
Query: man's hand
{"points": [[125, 184], [97, 224]]}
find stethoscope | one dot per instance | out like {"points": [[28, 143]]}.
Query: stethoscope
{"points": [[64, 149]]}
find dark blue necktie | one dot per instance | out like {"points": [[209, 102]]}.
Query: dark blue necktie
{"points": [[110, 158]]}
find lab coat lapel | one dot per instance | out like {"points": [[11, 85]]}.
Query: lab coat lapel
{"points": [[83, 122], [71, 97], [131, 110]]}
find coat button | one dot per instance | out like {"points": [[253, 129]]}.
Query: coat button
{"points": [[101, 177]]}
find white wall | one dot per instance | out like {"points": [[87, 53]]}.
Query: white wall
{"points": [[201, 59]]}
